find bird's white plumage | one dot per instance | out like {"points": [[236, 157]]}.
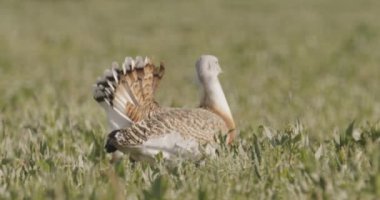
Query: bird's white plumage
{"points": [[128, 64], [116, 119], [173, 146]]}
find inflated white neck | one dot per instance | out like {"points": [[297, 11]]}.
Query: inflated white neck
{"points": [[213, 98]]}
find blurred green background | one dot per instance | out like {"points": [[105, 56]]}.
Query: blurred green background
{"points": [[314, 61]]}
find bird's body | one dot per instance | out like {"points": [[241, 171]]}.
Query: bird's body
{"points": [[173, 131], [143, 129]]}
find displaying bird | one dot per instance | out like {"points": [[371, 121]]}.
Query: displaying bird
{"points": [[142, 128]]}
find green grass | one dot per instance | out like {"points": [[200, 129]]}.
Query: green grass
{"points": [[296, 74]]}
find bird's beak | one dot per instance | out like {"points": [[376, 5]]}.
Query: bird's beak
{"points": [[220, 70]]}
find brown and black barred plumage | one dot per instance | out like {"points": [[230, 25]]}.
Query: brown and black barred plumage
{"points": [[142, 128]]}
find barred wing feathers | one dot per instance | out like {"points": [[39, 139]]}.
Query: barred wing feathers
{"points": [[127, 93]]}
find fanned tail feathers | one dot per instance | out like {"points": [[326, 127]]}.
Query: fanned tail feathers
{"points": [[127, 93]]}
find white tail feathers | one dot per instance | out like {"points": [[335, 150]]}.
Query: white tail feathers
{"points": [[127, 93]]}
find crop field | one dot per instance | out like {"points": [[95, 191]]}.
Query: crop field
{"points": [[302, 79]]}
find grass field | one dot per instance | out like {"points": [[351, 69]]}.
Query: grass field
{"points": [[302, 79]]}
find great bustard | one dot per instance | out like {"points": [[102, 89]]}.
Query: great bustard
{"points": [[142, 128]]}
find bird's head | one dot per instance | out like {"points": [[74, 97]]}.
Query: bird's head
{"points": [[208, 68]]}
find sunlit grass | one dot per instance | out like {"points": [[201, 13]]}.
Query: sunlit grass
{"points": [[296, 74]]}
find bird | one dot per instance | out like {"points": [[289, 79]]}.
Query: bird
{"points": [[142, 128]]}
